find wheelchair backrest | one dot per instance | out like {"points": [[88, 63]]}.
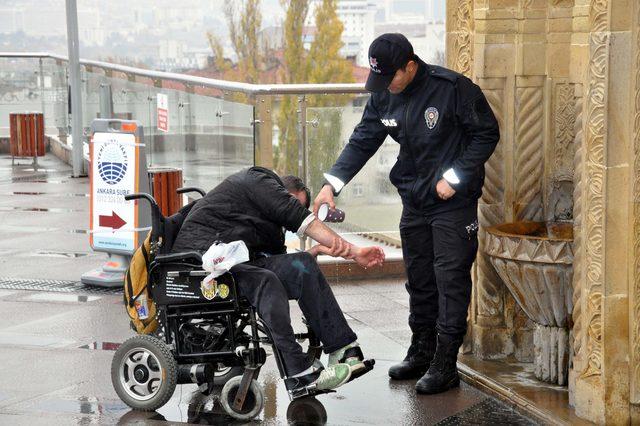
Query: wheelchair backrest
{"points": [[163, 228], [171, 225]]}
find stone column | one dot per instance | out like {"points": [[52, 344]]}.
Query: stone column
{"points": [[506, 41], [579, 53], [602, 386], [634, 306], [468, 34]]}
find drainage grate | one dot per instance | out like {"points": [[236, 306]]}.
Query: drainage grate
{"points": [[487, 412], [55, 286]]}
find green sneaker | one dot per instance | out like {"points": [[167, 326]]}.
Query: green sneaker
{"points": [[333, 376], [353, 358], [318, 381]]}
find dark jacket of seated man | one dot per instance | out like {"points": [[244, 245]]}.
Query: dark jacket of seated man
{"points": [[254, 206]]}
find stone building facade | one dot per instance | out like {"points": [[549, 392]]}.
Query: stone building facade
{"points": [[563, 78]]}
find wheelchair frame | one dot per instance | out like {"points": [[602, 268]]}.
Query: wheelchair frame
{"points": [[243, 349]]}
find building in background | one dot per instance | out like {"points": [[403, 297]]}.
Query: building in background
{"points": [[422, 22], [358, 18]]}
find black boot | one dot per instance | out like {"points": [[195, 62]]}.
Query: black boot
{"points": [[419, 355], [442, 374]]}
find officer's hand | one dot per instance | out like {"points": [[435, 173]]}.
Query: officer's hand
{"points": [[444, 190], [324, 196], [368, 257]]}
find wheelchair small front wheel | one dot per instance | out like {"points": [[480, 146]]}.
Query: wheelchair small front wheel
{"points": [[221, 375], [306, 411], [253, 403], [144, 373]]}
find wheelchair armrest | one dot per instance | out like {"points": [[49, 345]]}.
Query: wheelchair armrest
{"points": [[176, 257]]}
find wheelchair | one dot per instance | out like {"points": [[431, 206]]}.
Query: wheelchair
{"points": [[207, 335]]}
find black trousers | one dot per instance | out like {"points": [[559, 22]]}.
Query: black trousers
{"points": [[270, 282], [438, 252]]}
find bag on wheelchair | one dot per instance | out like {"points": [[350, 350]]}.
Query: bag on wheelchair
{"points": [[137, 297]]}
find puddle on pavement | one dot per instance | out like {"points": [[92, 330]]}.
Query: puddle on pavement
{"points": [[39, 229], [48, 194], [67, 254], [27, 168], [33, 340], [39, 209], [45, 181], [60, 297], [78, 231], [195, 408], [83, 405], [27, 229], [99, 345]]}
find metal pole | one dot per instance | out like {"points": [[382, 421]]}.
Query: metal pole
{"points": [[302, 159], [42, 88], [76, 94], [106, 101]]}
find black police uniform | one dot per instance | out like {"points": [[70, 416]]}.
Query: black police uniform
{"points": [[442, 121]]}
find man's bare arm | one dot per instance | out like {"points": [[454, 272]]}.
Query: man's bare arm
{"points": [[322, 233], [364, 256]]}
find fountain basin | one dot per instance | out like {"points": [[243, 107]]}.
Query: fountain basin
{"points": [[534, 260]]}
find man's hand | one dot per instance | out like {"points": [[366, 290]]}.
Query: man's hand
{"points": [[368, 257], [339, 248], [444, 190], [324, 196]]}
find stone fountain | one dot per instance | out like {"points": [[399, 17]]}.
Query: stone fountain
{"points": [[534, 259]]}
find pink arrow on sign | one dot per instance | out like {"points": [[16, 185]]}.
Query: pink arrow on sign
{"points": [[114, 221]]}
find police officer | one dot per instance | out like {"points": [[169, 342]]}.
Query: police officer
{"points": [[446, 131]]}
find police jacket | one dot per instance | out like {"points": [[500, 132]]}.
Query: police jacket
{"points": [[442, 121], [251, 205]]}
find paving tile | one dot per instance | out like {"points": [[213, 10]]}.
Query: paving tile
{"points": [[383, 319]]}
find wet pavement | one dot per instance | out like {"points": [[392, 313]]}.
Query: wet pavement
{"points": [[57, 338], [56, 351]]}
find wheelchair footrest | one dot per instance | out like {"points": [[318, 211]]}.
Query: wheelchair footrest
{"points": [[303, 386], [368, 366], [307, 391]]}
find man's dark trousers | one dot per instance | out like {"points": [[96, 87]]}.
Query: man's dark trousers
{"points": [[270, 282], [439, 250]]}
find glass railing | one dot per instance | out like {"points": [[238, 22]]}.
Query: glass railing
{"points": [[371, 203], [216, 127], [34, 84]]}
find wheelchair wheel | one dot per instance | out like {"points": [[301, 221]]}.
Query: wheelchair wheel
{"points": [[221, 376], [144, 373], [253, 403], [306, 411]]}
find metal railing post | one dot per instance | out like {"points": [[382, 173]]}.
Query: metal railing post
{"points": [[42, 100], [106, 101], [76, 94], [302, 150], [262, 132]]}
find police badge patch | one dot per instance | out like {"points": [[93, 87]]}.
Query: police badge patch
{"points": [[209, 289], [431, 117]]}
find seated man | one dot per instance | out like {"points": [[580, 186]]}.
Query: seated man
{"points": [[254, 205]]}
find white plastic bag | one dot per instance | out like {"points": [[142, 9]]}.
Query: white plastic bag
{"points": [[221, 257]]}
